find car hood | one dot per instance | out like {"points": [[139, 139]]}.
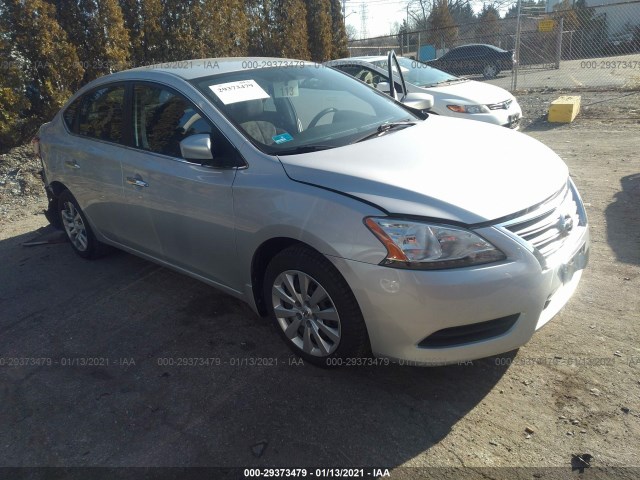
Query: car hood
{"points": [[442, 168], [476, 92]]}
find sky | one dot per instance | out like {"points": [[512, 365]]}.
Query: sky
{"points": [[381, 15]]}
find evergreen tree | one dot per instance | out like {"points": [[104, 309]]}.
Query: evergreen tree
{"points": [[152, 36], [219, 28], [112, 37], [258, 13], [278, 28], [13, 102], [51, 62], [290, 25], [177, 33], [526, 6], [488, 27], [97, 30], [132, 16], [462, 13], [319, 29], [443, 31], [339, 32]]}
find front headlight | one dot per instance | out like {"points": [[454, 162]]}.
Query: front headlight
{"points": [[469, 108], [419, 245]]}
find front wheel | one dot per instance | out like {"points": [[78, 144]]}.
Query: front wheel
{"points": [[313, 308], [490, 71]]}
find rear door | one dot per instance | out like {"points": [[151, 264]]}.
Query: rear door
{"points": [[179, 211], [454, 61], [478, 58], [90, 159]]}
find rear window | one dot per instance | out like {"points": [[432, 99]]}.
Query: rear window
{"points": [[70, 113]]}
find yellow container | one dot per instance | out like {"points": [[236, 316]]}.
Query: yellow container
{"points": [[564, 109]]}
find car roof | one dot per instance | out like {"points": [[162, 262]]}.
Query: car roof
{"points": [[205, 67], [479, 45], [365, 58]]}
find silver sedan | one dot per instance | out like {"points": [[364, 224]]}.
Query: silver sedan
{"points": [[359, 225]]}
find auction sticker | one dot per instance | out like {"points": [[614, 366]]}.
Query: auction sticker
{"points": [[242, 91]]}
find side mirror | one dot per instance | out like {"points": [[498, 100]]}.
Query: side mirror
{"points": [[418, 101], [196, 147]]}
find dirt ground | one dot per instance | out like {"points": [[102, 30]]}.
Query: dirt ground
{"points": [[574, 389]]}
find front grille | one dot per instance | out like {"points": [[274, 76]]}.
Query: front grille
{"points": [[500, 106], [547, 228]]}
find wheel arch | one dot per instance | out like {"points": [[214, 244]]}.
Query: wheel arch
{"points": [[54, 189], [261, 258]]}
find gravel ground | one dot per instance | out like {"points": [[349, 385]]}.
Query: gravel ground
{"points": [[21, 190], [595, 105]]}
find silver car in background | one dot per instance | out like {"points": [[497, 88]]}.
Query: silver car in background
{"points": [[355, 223]]}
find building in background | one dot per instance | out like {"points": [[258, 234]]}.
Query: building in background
{"points": [[621, 16]]}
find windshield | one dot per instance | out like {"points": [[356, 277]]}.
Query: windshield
{"points": [[292, 110], [419, 73]]}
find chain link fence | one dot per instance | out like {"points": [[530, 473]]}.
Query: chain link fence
{"points": [[585, 47]]}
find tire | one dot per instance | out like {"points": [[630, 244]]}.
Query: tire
{"points": [[330, 327], [78, 231], [490, 71]]}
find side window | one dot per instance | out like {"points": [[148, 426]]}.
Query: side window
{"points": [[462, 52], [163, 118], [349, 69], [101, 114], [476, 52], [70, 113], [368, 76], [451, 54]]}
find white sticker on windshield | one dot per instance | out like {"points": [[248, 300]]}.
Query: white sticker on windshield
{"points": [[241, 91], [286, 89]]}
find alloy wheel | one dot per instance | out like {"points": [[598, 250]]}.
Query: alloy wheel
{"points": [[306, 313], [74, 226], [490, 71]]}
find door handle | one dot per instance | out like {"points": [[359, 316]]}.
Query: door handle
{"points": [[136, 182], [72, 164]]}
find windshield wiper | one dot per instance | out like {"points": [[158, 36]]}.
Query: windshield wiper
{"points": [[451, 80], [385, 127], [303, 149]]}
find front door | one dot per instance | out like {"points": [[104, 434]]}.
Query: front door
{"points": [[180, 211]]}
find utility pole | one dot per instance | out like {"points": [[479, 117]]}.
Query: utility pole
{"points": [[344, 12], [514, 73], [363, 21], [407, 29]]}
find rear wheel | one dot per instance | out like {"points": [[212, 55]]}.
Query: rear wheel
{"points": [[77, 228], [490, 71], [314, 308]]}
